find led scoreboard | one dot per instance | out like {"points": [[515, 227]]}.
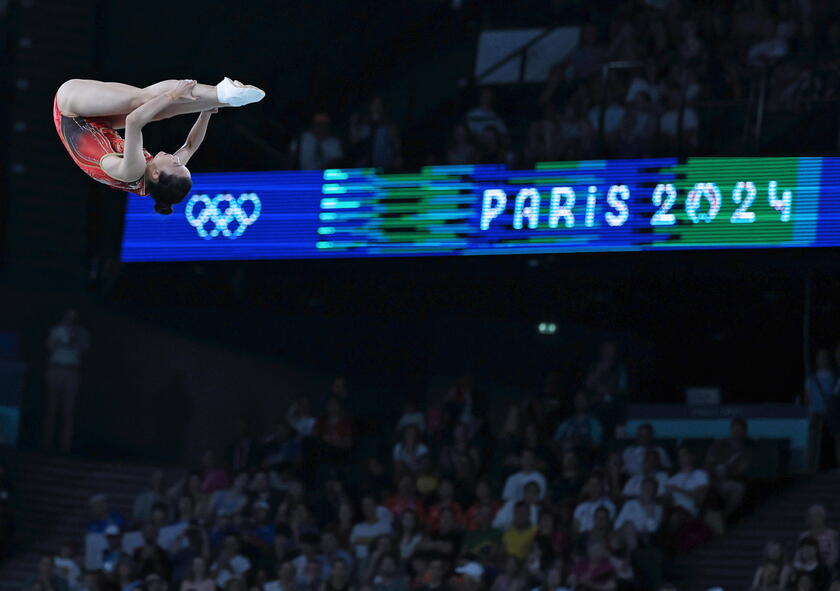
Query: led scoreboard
{"points": [[585, 206]]}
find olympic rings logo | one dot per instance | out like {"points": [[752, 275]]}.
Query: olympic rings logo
{"points": [[224, 214]]}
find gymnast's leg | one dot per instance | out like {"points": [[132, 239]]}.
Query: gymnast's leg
{"points": [[92, 98]]}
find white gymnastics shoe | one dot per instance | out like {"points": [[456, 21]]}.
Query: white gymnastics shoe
{"points": [[236, 94]]}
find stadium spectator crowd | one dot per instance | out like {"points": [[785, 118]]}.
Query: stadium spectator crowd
{"points": [[549, 500], [668, 58]]}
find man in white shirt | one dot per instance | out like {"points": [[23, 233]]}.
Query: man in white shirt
{"points": [[634, 455], [633, 487], [584, 515], [66, 344], [689, 486], [317, 148], [375, 524], [515, 484], [640, 518], [230, 562], [531, 496]]}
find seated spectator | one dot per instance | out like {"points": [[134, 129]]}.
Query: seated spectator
{"points": [[483, 540], [575, 137], [339, 577], [113, 552], [380, 548], [462, 148], [388, 576], [519, 537], [141, 511], [230, 562], [727, 462], [774, 572], [312, 579], [375, 140], [446, 540], [612, 115], [199, 579], [550, 545], [827, 538], [446, 500], [570, 479], [434, 577], [190, 544], [408, 450], [213, 476], [285, 581], [332, 550], [515, 483], [301, 419], [317, 148], [46, 577], [689, 486], [513, 577], [411, 415], [531, 498], [807, 562], [258, 531], [310, 545], [649, 82], [150, 557], [484, 116], [405, 498], [483, 501], [281, 449], [634, 455], [409, 535], [581, 429], [231, 501], [650, 469], [67, 567], [553, 580], [103, 516], [602, 531], [374, 524], [336, 432], [640, 518], [594, 498], [595, 571]]}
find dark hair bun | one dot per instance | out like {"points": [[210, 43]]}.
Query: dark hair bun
{"points": [[163, 208]]}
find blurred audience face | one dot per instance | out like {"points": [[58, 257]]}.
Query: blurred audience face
{"points": [[601, 520], [644, 435]]}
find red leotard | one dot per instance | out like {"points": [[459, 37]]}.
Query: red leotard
{"points": [[89, 140]]}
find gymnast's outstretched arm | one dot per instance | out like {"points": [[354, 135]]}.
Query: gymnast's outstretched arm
{"points": [[195, 137]]}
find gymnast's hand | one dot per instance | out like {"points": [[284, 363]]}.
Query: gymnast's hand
{"points": [[183, 90]]}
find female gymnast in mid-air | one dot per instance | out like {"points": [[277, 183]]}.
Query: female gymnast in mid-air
{"points": [[87, 114]]}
